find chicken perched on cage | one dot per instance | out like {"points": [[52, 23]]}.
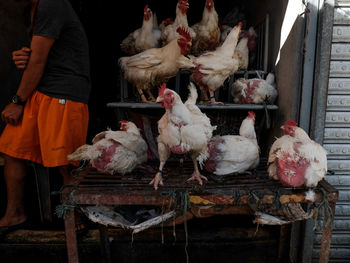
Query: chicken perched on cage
{"points": [[207, 30], [182, 129], [170, 33], [146, 37], [114, 151], [255, 91], [295, 159], [154, 66], [214, 67], [234, 153]]}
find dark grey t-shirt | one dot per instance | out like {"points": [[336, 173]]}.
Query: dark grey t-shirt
{"points": [[67, 72]]}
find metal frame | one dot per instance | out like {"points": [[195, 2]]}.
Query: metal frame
{"points": [[94, 188], [314, 97]]}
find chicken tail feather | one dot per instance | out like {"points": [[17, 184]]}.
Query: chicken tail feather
{"points": [[80, 154], [193, 95]]}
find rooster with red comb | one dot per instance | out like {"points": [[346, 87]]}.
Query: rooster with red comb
{"points": [[214, 67], [234, 153], [154, 66], [114, 151], [170, 32], [146, 37], [295, 159], [182, 129]]}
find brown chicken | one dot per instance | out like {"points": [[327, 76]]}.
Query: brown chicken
{"points": [[152, 67]]}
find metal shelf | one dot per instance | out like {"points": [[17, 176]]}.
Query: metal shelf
{"points": [[228, 106]]}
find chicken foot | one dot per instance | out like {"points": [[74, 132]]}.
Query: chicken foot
{"points": [[212, 99], [143, 96], [158, 179], [196, 174]]}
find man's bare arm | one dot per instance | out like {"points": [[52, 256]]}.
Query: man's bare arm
{"points": [[40, 48]]}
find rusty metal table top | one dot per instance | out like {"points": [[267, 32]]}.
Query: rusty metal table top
{"points": [[95, 188]]}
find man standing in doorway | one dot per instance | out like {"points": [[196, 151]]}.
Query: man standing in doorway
{"points": [[47, 118]]}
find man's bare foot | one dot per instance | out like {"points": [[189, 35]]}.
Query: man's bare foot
{"points": [[5, 221]]}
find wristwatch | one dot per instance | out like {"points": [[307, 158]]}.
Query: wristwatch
{"points": [[17, 100]]}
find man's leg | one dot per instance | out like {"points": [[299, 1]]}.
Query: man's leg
{"points": [[15, 173]]}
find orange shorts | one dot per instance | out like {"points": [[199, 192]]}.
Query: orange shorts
{"points": [[50, 129]]}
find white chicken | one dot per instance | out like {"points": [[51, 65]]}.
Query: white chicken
{"points": [[234, 153], [207, 30], [295, 159], [255, 91], [214, 67], [146, 37], [114, 151], [182, 129], [170, 33], [154, 66], [242, 53]]}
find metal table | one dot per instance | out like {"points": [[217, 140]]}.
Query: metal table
{"points": [[236, 193]]}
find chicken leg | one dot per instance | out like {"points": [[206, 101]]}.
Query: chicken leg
{"points": [[212, 99], [164, 154], [204, 93], [196, 174], [142, 95]]}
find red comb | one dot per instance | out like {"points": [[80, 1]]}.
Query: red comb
{"points": [[161, 89], [146, 7], [168, 21], [292, 123], [251, 114], [121, 122], [240, 24], [184, 33]]}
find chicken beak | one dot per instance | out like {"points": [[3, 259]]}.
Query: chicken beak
{"points": [[159, 99]]}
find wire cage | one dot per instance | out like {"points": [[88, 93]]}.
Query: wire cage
{"points": [[257, 68], [227, 118]]}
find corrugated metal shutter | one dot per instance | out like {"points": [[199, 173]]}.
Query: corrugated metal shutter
{"points": [[337, 133]]}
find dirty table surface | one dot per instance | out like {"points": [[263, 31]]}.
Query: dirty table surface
{"points": [[94, 188]]}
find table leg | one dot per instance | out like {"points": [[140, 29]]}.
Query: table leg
{"points": [[326, 239], [105, 245], [71, 238]]}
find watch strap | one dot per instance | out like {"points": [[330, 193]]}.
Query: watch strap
{"points": [[17, 100]]}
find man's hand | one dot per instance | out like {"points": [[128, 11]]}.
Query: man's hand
{"points": [[21, 57], [12, 113]]}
